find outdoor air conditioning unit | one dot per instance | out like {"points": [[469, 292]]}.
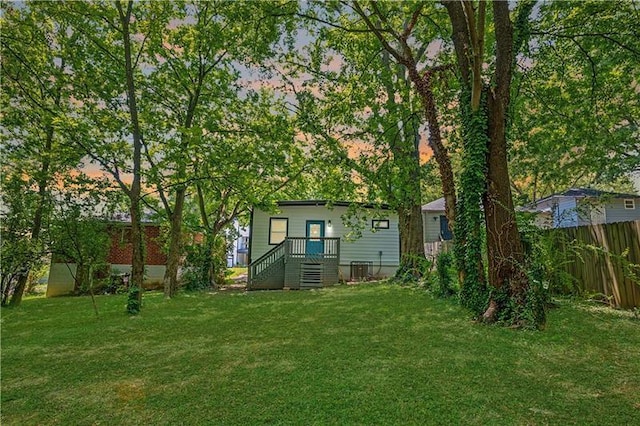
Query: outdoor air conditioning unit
{"points": [[361, 271]]}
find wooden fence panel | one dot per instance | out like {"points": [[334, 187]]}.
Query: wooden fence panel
{"points": [[600, 259]]}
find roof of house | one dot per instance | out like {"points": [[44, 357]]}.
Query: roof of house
{"points": [[586, 193], [331, 203], [434, 206]]}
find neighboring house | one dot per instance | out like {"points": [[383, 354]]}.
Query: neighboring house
{"points": [[435, 228], [436, 225], [584, 206], [238, 254], [62, 274], [307, 244]]}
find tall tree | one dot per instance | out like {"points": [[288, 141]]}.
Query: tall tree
{"points": [[484, 105], [193, 85], [484, 102], [576, 99], [395, 26], [248, 165], [35, 94], [110, 39], [364, 119], [381, 50]]}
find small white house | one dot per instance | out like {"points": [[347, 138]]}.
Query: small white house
{"points": [[435, 227], [310, 244]]}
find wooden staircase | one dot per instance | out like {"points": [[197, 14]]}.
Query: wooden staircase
{"points": [[268, 271], [295, 264]]}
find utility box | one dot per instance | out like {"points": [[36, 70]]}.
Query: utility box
{"points": [[361, 270]]}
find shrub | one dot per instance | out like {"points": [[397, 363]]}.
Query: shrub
{"points": [[445, 286], [205, 265], [414, 269]]}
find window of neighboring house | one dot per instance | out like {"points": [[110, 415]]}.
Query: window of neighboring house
{"points": [[243, 243], [630, 204], [380, 224], [277, 230]]}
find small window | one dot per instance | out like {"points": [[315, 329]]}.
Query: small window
{"points": [[380, 224], [277, 230], [630, 204]]}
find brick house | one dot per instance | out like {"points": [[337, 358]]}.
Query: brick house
{"points": [[62, 273]]}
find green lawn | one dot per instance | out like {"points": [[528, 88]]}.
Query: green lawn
{"points": [[368, 354]]}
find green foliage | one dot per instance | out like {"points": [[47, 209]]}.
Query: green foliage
{"points": [[134, 298], [367, 122], [576, 100], [445, 285], [18, 251], [34, 95], [195, 275], [205, 265], [529, 313], [115, 283], [546, 261], [413, 269]]}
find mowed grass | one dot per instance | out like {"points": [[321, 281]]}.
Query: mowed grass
{"points": [[367, 354]]}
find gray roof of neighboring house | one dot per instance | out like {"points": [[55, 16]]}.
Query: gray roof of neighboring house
{"points": [[586, 193], [434, 206]]}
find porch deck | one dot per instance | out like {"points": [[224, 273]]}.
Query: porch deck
{"points": [[297, 263]]}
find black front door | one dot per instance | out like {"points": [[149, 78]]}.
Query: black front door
{"points": [[445, 232]]}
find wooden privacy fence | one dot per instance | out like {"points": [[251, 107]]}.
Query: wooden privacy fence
{"points": [[603, 259]]}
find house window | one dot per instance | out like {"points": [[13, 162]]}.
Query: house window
{"points": [[243, 243], [380, 224], [277, 230], [630, 204]]}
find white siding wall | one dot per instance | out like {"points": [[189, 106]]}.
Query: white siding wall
{"points": [[62, 276], [431, 222], [566, 214], [366, 248], [61, 279], [616, 212]]}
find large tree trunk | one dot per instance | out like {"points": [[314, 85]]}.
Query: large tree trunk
{"points": [[411, 232], [406, 154], [422, 84], [507, 274], [504, 245], [410, 212], [170, 280]]}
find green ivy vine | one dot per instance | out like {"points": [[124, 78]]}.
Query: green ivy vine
{"points": [[474, 294]]}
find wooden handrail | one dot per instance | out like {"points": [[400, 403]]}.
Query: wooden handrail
{"points": [[297, 246], [269, 257]]}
